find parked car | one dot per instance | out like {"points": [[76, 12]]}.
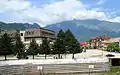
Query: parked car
{"points": [[110, 55]]}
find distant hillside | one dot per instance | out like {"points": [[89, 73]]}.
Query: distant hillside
{"points": [[18, 25], [85, 29]]}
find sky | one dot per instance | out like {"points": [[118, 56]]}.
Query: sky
{"points": [[45, 12]]}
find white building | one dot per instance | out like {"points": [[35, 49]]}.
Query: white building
{"points": [[38, 34]]}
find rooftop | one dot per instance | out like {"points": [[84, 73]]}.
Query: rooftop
{"points": [[100, 37], [112, 40]]}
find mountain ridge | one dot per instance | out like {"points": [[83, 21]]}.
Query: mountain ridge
{"points": [[85, 29], [19, 26]]}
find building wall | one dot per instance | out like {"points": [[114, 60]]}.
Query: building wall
{"points": [[38, 35], [22, 34], [96, 42], [38, 40], [70, 67], [32, 32], [46, 33], [28, 40]]}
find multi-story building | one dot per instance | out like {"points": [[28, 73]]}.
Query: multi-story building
{"points": [[97, 42], [111, 40], [38, 34]]}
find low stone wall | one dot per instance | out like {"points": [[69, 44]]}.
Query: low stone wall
{"points": [[53, 68]]}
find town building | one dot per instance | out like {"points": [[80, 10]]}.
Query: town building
{"points": [[97, 42], [38, 34], [111, 40], [27, 35]]}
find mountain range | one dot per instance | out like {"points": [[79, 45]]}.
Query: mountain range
{"points": [[85, 29], [82, 29], [19, 26]]}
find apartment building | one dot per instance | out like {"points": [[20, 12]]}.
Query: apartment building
{"points": [[97, 42], [38, 34]]}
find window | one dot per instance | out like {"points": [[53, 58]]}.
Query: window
{"points": [[27, 33], [21, 34]]}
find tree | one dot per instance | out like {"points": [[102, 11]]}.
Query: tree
{"points": [[33, 48], [19, 48], [59, 46], [45, 47], [75, 48], [72, 45], [113, 47], [6, 45]]}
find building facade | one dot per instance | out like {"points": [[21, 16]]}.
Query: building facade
{"points": [[38, 35], [97, 42], [27, 35], [112, 40]]}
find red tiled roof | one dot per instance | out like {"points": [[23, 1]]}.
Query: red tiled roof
{"points": [[83, 43]]}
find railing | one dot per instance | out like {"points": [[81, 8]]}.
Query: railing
{"points": [[53, 68]]}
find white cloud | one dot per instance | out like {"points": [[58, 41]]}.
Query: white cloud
{"points": [[116, 19], [25, 11], [13, 5], [101, 2]]}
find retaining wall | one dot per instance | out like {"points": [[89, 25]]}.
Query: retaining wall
{"points": [[21, 69]]}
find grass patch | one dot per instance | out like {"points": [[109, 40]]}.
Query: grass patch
{"points": [[113, 71]]}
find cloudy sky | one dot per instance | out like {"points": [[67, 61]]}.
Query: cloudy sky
{"points": [[47, 12]]}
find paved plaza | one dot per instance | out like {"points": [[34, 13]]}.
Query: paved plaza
{"points": [[88, 54]]}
